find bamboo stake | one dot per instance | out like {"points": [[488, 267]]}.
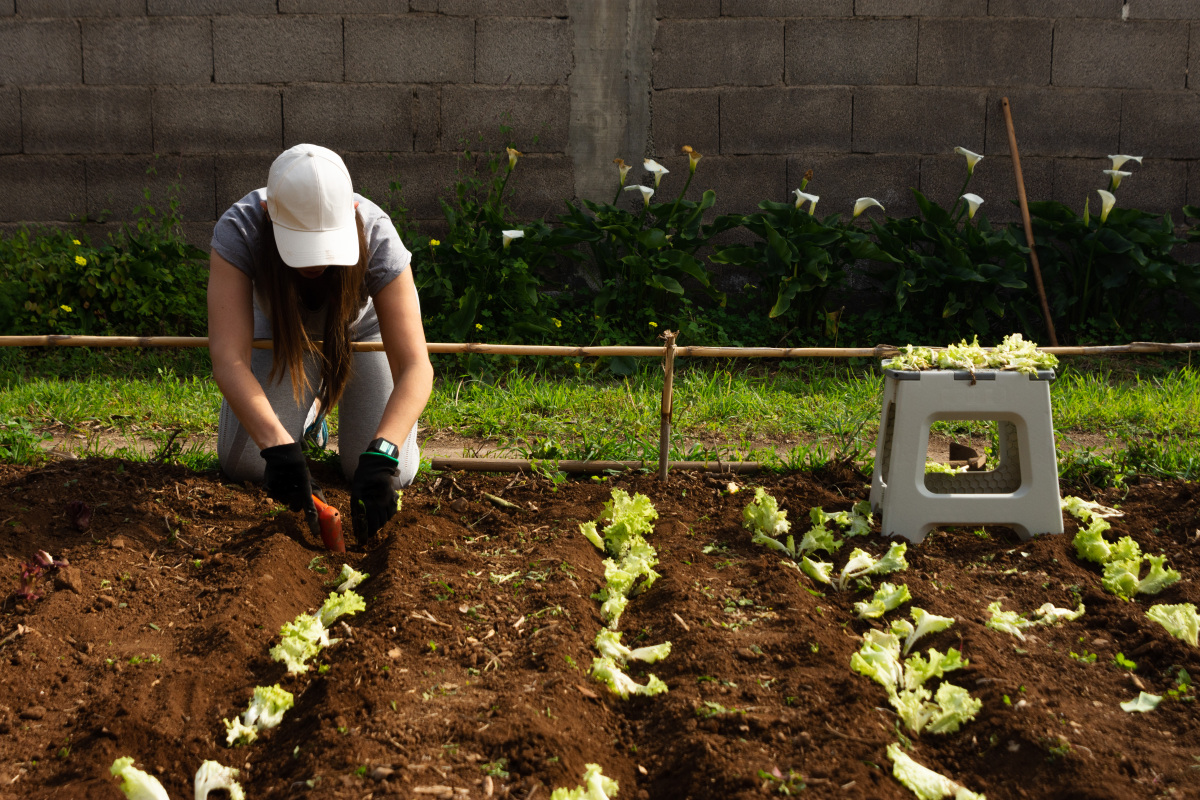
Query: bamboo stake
{"points": [[1037, 268], [695, 351], [664, 425], [526, 465]]}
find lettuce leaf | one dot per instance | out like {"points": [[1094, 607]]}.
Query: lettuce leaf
{"points": [[606, 671], [887, 598], [763, 515], [924, 782], [1181, 621], [595, 787]]}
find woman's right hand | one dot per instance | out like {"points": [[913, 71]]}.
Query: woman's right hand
{"points": [[286, 477]]}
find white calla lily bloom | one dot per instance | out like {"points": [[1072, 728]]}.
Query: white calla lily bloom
{"points": [[1108, 200], [803, 197], [972, 158], [658, 169], [508, 236], [1115, 175], [863, 203], [1119, 161], [646, 191], [974, 201]]}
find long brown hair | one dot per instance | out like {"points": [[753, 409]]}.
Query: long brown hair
{"points": [[278, 289]]}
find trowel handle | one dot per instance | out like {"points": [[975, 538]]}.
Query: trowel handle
{"points": [[331, 526]]}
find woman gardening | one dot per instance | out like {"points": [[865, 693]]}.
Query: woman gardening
{"points": [[302, 260]]}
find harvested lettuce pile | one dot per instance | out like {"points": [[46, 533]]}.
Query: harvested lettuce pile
{"points": [[1014, 353]]}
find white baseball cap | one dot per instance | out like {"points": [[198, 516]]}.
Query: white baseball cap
{"points": [[311, 202]]}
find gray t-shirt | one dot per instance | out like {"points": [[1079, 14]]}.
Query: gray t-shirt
{"points": [[237, 238]]}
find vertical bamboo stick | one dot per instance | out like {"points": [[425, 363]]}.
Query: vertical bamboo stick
{"points": [[1037, 268], [664, 429]]}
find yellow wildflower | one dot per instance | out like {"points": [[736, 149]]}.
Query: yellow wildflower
{"points": [[478, 326], [81, 261], [76, 241], [653, 324], [66, 309], [557, 322], [576, 365], [434, 242]]}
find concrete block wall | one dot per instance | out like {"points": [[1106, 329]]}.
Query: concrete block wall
{"points": [[872, 95]]}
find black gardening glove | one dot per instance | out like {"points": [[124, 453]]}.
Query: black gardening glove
{"points": [[286, 477], [373, 497]]}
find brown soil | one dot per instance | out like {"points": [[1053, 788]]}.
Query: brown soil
{"points": [[449, 675]]}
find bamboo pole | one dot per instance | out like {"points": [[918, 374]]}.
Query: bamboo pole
{"points": [[694, 351], [1033, 258], [526, 465], [664, 425]]}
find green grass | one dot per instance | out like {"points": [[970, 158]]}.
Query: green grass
{"points": [[824, 407]]}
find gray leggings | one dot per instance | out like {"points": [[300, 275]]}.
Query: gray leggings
{"points": [[360, 410]]}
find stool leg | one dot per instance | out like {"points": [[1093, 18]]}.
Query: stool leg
{"points": [[883, 445]]}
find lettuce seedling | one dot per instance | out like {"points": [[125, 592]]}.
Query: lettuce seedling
{"points": [[1085, 510], [609, 644], [887, 598], [606, 671], [300, 640], [820, 571], [763, 516], [1121, 576], [595, 787], [926, 623], [213, 777], [1008, 621], [137, 785], [924, 782], [879, 660], [340, 604], [862, 564], [1090, 544], [949, 708], [1181, 621], [266, 710], [350, 578], [918, 669], [628, 518], [1050, 614]]}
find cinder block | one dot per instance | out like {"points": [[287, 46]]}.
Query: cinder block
{"points": [[238, 175], [1120, 55], [277, 49], [200, 8], [1156, 186], [740, 182], [1059, 9], [8, 8], [410, 49], [522, 51], [426, 119], [687, 9], [423, 178], [1163, 9], [10, 120], [1193, 186], [787, 8], [918, 119], [791, 120], [1056, 122], [82, 8], [503, 8], [834, 51], [991, 52], [349, 118], [343, 6], [40, 189], [925, 8], [751, 53], [116, 185], [1160, 125], [147, 50], [542, 184], [40, 52], [684, 117], [472, 116], [86, 120], [423, 5], [242, 119], [839, 180], [994, 180]]}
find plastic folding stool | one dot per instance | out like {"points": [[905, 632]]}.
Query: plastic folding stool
{"points": [[1021, 492]]}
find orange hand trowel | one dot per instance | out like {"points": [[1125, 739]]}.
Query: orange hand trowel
{"points": [[326, 522]]}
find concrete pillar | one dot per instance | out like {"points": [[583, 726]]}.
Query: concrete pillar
{"points": [[610, 90]]}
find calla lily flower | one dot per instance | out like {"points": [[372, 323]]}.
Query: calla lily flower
{"points": [[508, 237], [974, 201], [1108, 200], [693, 158], [1119, 161], [972, 158], [646, 191], [863, 203], [622, 167], [512, 156], [1115, 176], [658, 169], [803, 197]]}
